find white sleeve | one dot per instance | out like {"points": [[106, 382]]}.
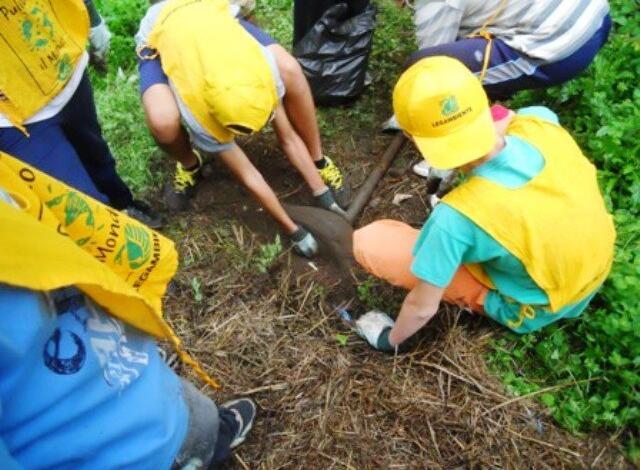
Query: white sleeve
{"points": [[437, 21]]}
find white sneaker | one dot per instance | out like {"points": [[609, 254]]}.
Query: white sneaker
{"points": [[391, 125], [422, 169]]}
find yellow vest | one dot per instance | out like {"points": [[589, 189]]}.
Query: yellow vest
{"points": [[40, 44], [57, 237], [218, 69], [556, 224]]}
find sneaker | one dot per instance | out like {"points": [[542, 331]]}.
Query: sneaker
{"points": [[332, 177], [391, 126], [422, 168], [169, 357], [143, 213], [244, 411], [178, 193]]}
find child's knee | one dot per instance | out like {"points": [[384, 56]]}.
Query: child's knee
{"points": [[164, 126]]}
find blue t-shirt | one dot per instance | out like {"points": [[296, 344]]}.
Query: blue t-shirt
{"points": [[79, 389], [450, 239]]}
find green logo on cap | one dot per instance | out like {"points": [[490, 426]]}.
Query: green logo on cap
{"points": [[449, 106]]}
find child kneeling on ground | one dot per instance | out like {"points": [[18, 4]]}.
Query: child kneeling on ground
{"points": [[225, 78], [525, 240]]}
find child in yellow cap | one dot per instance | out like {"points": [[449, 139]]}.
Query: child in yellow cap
{"points": [[525, 240], [223, 78]]}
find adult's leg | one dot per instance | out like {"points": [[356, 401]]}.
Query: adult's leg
{"points": [[384, 249], [79, 121], [508, 70], [576, 63], [48, 149]]}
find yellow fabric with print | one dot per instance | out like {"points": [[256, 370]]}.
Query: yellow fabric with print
{"points": [[218, 69], [58, 237], [40, 44], [556, 224]]}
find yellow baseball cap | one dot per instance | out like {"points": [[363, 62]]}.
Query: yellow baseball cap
{"points": [[241, 91], [219, 70], [443, 107]]}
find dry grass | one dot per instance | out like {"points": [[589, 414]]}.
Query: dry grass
{"points": [[322, 405]]}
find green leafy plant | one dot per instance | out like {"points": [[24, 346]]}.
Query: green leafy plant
{"points": [[597, 355], [267, 254], [196, 286]]}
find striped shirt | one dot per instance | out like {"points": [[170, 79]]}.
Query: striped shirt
{"points": [[544, 30]]}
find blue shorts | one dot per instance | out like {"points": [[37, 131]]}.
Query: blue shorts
{"points": [[510, 71], [151, 71]]}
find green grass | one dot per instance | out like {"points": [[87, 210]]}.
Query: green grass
{"points": [[595, 359], [597, 355]]}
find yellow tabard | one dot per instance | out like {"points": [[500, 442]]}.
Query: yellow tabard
{"points": [[213, 63], [40, 44], [556, 224], [56, 237]]}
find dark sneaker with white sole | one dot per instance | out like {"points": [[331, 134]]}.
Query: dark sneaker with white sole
{"points": [[244, 411], [142, 212], [178, 192]]}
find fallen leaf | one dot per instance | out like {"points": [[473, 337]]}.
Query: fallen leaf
{"points": [[399, 197]]}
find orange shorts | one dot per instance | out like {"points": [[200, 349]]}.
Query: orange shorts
{"points": [[383, 248]]}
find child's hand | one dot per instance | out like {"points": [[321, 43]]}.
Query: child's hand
{"points": [[304, 243], [374, 327]]}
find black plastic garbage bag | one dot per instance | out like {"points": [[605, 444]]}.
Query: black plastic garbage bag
{"points": [[335, 52], [307, 12]]}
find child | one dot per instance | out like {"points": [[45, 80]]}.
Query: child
{"points": [[222, 79], [526, 240]]}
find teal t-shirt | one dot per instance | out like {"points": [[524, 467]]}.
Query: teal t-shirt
{"points": [[450, 239]]}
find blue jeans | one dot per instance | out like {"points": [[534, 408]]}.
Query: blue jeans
{"points": [[70, 147], [510, 71]]}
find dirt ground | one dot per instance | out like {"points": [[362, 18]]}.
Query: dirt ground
{"points": [[321, 404]]}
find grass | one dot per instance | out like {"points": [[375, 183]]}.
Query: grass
{"points": [[595, 359], [599, 352]]}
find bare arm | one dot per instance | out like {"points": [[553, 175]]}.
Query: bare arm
{"points": [[419, 306], [244, 171]]}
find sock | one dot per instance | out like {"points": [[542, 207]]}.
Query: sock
{"points": [[192, 167], [320, 164], [321, 191]]}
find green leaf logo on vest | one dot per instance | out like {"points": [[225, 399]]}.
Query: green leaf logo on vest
{"points": [[138, 247], [75, 209], [449, 106]]}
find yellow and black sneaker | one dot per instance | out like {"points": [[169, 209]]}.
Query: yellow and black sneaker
{"points": [[182, 188], [333, 177]]}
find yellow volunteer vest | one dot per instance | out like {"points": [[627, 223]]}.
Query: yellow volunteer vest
{"points": [[556, 224], [199, 38], [59, 237], [40, 44]]}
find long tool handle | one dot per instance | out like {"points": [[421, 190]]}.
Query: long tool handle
{"points": [[366, 190]]}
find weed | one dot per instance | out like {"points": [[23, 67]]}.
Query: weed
{"points": [[267, 254], [600, 351], [196, 286]]}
